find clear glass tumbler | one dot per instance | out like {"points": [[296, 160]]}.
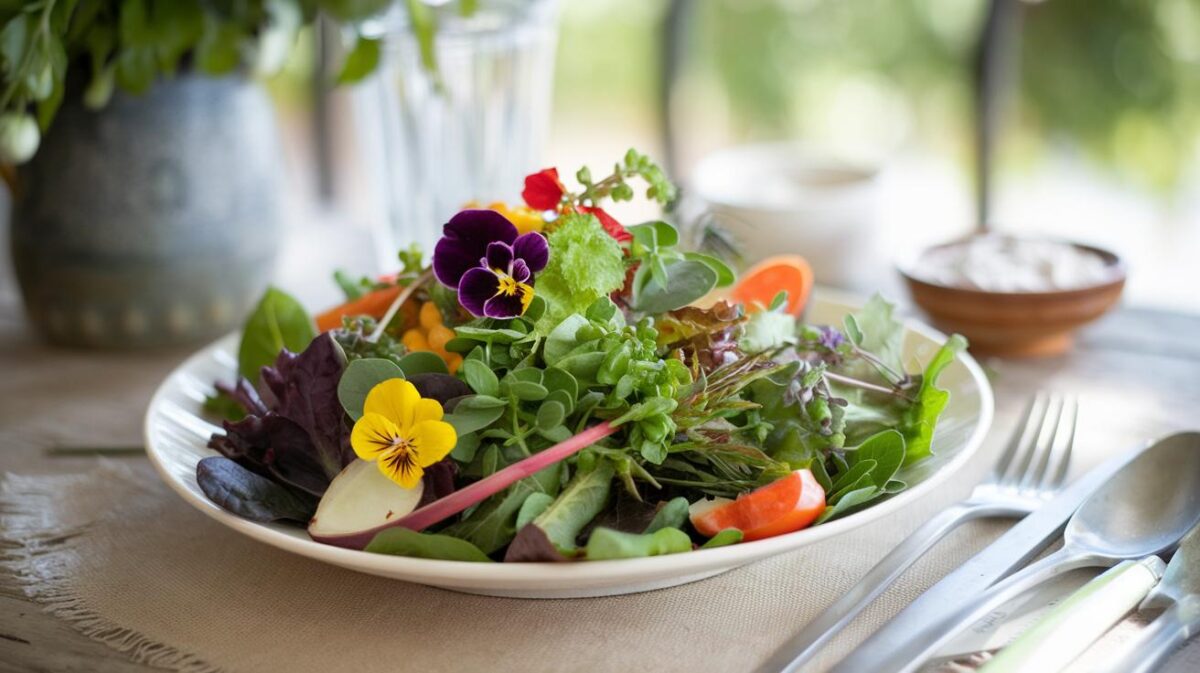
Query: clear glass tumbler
{"points": [[469, 132]]}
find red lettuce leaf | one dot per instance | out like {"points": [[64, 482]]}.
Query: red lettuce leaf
{"points": [[532, 545], [301, 440], [251, 495]]}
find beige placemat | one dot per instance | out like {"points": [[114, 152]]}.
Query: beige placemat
{"points": [[127, 562]]}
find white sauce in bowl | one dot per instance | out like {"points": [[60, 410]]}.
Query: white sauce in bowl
{"points": [[1009, 264]]}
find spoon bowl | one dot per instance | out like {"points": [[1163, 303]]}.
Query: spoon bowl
{"points": [[1147, 507]]}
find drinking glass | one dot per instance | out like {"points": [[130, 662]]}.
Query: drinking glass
{"points": [[468, 131]]}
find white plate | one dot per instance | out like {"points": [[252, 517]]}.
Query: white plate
{"points": [[177, 432]]}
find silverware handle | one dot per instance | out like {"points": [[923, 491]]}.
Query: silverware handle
{"points": [[1059, 562], [803, 646], [1158, 641]]}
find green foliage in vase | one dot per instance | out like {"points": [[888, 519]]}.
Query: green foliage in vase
{"points": [[106, 45]]}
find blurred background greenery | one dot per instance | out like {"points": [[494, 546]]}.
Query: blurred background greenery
{"points": [[1119, 80], [1099, 141]]}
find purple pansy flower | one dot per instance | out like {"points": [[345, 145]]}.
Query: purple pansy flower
{"points": [[481, 256]]}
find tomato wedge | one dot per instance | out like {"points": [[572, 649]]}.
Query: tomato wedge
{"points": [[758, 286], [782, 506]]}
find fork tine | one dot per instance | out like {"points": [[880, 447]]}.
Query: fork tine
{"points": [[1023, 440], [1044, 445], [1014, 440], [1060, 458]]}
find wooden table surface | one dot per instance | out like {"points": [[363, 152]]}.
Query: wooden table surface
{"points": [[1137, 371]]}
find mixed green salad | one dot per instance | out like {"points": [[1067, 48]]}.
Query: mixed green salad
{"points": [[555, 386]]}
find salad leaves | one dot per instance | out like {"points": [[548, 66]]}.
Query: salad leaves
{"points": [[591, 417], [278, 322], [301, 439]]}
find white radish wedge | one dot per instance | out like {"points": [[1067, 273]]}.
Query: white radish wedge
{"points": [[360, 502]]}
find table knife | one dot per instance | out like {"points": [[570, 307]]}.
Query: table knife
{"points": [[893, 645]]}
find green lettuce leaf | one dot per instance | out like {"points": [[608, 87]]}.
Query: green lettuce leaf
{"points": [[919, 420], [585, 265]]}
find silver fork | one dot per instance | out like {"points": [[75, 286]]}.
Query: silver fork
{"points": [[1029, 472]]}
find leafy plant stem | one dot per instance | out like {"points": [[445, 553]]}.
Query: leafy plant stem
{"points": [[397, 303], [899, 380], [864, 385], [444, 508], [19, 75]]}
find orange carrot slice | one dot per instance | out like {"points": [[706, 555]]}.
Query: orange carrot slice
{"points": [[374, 304], [764, 280]]}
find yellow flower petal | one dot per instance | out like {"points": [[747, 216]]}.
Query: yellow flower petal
{"points": [[523, 218], [373, 435], [427, 410], [400, 465], [432, 441], [394, 399]]}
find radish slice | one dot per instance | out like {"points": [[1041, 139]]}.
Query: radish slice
{"points": [[360, 502], [444, 508]]}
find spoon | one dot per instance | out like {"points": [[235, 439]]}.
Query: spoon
{"points": [[1179, 593], [1143, 510]]}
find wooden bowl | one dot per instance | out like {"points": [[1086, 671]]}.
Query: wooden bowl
{"points": [[1017, 324]]}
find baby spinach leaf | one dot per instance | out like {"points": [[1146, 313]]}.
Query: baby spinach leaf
{"points": [[550, 415], [423, 362], [583, 366], [562, 339], [670, 515], [278, 322], [687, 281], [852, 330], [488, 335], [863, 481], [493, 524], [249, 495], [527, 390], [474, 413], [579, 503], [465, 448], [559, 380], [654, 234], [481, 378], [359, 378], [725, 275], [405, 542], [606, 544], [533, 506], [886, 448], [724, 538], [848, 502], [821, 474], [859, 470]]}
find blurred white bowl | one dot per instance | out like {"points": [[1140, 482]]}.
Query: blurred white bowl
{"points": [[776, 198]]}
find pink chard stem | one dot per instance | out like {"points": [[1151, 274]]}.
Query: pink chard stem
{"points": [[444, 508]]}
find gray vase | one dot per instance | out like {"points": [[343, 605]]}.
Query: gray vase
{"points": [[154, 221]]}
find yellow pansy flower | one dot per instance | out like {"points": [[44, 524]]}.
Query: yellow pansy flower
{"points": [[402, 432], [524, 218]]}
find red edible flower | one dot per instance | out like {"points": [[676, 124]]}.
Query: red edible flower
{"points": [[543, 190], [613, 227]]}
